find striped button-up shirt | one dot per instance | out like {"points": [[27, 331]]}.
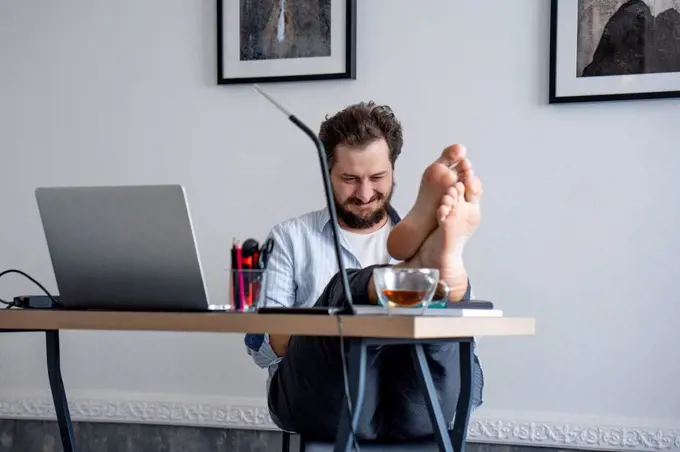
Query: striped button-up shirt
{"points": [[301, 265]]}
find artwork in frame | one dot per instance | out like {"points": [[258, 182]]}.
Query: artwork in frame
{"points": [[604, 50], [285, 40]]}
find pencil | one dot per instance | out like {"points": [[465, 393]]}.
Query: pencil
{"points": [[234, 277], [239, 262]]}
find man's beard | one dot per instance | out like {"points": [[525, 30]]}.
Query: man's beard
{"points": [[355, 221]]}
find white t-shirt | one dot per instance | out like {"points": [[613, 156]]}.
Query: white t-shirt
{"points": [[370, 249]]}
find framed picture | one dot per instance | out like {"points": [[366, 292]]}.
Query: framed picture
{"points": [[285, 40], [614, 50]]}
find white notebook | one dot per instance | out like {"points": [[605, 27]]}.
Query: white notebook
{"points": [[434, 312]]}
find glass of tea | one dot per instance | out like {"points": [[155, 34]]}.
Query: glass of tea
{"points": [[407, 287]]}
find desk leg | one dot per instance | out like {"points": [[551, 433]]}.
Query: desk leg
{"points": [[58, 392], [424, 376], [464, 407], [356, 375]]}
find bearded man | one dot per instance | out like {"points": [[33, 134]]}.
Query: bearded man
{"points": [[362, 143]]}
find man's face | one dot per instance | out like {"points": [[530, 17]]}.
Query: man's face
{"points": [[362, 184]]}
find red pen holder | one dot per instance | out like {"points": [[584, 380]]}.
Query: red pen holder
{"points": [[247, 289]]}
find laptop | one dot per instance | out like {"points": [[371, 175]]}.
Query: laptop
{"points": [[123, 248]]}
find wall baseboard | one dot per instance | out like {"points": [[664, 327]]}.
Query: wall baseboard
{"points": [[486, 426]]}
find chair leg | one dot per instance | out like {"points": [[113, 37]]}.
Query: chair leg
{"points": [[285, 442]]}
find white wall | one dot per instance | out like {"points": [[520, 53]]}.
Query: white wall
{"points": [[580, 212]]}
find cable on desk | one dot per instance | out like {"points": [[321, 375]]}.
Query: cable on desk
{"points": [[344, 372], [8, 304], [346, 381], [29, 277]]}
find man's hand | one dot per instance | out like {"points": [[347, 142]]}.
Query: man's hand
{"points": [[279, 343]]}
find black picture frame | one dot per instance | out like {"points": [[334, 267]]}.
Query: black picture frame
{"points": [[570, 50], [337, 48]]}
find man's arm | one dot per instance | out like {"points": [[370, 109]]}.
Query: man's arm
{"points": [[279, 291], [279, 343]]}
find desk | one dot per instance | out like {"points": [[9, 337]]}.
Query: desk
{"points": [[362, 332]]}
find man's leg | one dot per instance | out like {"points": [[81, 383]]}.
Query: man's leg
{"points": [[307, 391], [406, 414], [403, 401], [409, 234]]}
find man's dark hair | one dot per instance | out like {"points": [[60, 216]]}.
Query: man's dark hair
{"points": [[359, 125]]}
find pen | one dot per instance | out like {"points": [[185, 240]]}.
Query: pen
{"points": [[249, 256], [239, 265], [247, 263], [256, 277], [234, 276]]}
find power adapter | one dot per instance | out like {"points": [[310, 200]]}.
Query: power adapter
{"points": [[34, 302]]}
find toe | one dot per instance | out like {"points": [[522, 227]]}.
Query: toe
{"points": [[474, 190], [452, 154], [461, 169], [448, 178], [465, 165], [453, 193], [443, 213], [448, 203], [460, 188], [450, 197], [465, 172]]}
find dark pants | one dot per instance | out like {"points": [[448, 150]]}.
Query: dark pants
{"points": [[307, 390]]}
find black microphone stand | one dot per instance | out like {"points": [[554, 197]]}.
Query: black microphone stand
{"points": [[348, 306]]}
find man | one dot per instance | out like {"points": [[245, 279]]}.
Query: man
{"points": [[305, 385]]}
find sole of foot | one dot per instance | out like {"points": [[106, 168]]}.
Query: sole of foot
{"points": [[457, 220]]}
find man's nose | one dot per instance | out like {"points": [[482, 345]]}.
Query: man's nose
{"points": [[365, 192]]}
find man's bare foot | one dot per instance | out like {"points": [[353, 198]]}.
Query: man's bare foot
{"points": [[410, 233], [457, 220]]}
